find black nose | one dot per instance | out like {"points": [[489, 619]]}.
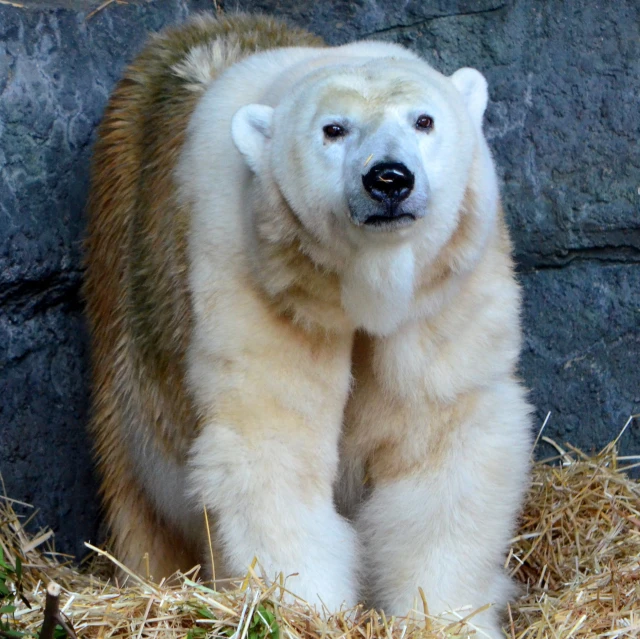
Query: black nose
{"points": [[389, 182]]}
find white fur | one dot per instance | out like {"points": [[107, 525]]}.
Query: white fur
{"points": [[250, 128], [447, 530], [272, 397], [261, 512], [473, 87], [377, 288]]}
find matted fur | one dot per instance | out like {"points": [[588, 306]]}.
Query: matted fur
{"points": [[232, 371]]}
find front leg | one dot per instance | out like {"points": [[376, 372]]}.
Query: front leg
{"points": [[266, 458], [445, 481]]}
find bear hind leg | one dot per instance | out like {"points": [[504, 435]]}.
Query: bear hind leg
{"points": [[142, 540]]}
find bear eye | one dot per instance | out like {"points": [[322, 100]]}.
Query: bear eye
{"points": [[333, 131], [424, 123]]}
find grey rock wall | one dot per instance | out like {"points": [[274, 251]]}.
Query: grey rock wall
{"points": [[564, 125]]}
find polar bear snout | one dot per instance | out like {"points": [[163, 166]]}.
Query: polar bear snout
{"points": [[389, 196], [389, 182]]}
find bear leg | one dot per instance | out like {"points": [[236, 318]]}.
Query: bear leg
{"points": [[142, 540], [443, 502], [271, 497]]}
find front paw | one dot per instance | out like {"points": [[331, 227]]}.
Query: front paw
{"points": [[485, 623], [330, 582], [324, 574], [326, 598]]}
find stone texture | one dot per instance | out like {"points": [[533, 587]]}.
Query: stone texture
{"points": [[563, 124], [44, 452], [56, 71], [581, 350], [563, 120]]}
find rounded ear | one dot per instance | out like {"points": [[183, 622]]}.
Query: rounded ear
{"points": [[473, 87], [250, 129]]}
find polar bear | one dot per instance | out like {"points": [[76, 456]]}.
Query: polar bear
{"points": [[305, 320]]}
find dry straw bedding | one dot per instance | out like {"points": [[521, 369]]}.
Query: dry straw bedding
{"points": [[577, 555]]}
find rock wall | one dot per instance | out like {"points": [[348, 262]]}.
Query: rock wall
{"points": [[564, 126]]}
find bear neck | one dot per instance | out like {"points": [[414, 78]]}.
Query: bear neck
{"points": [[314, 290], [298, 278], [479, 234]]}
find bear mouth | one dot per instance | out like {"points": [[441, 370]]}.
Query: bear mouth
{"points": [[390, 221]]}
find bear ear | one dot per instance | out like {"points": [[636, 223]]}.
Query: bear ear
{"points": [[250, 129], [473, 87]]}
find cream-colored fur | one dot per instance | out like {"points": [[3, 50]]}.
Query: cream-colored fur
{"points": [[360, 425]]}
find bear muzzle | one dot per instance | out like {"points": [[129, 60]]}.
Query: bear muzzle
{"points": [[387, 196], [389, 183]]}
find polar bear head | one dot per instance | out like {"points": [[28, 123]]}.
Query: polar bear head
{"points": [[374, 158]]}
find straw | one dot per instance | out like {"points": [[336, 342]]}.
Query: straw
{"points": [[576, 555]]}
